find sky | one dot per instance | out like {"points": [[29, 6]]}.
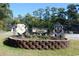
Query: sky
{"points": [[24, 8]]}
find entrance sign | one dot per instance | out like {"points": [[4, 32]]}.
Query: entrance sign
{"points": [[58, 30], [18, 29]]}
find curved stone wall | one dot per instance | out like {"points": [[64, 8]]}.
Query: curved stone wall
{"points": [[37, 44]]}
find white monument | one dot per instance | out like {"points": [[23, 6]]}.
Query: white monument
{"points": [[18, 29], [58, 30]]}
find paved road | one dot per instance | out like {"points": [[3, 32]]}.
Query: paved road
{"points": [[72, 36]]}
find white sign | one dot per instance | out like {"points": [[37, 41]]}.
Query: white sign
{"points": [[20, 28]]}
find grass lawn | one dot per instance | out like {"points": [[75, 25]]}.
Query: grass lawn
{"points": [[73, 49]]}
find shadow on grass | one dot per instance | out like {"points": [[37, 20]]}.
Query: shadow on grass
{"points": [[10, 42]]}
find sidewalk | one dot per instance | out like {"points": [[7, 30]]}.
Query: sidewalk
{"points": [[72, 36]]}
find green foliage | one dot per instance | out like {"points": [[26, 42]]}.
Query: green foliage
{"points": [[72, 11], [5, 15], [43, 37], [42, 18], [1, 25], [45, 18], [15, 22]]}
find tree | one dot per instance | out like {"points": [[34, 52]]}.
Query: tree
{"points": [[5, 10], [72, 11], [61, 15], [47, 13], [53, 15], [72, 14], [40, 13], [28, 20], [54, 12], [35, 13], [5, 14]]}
